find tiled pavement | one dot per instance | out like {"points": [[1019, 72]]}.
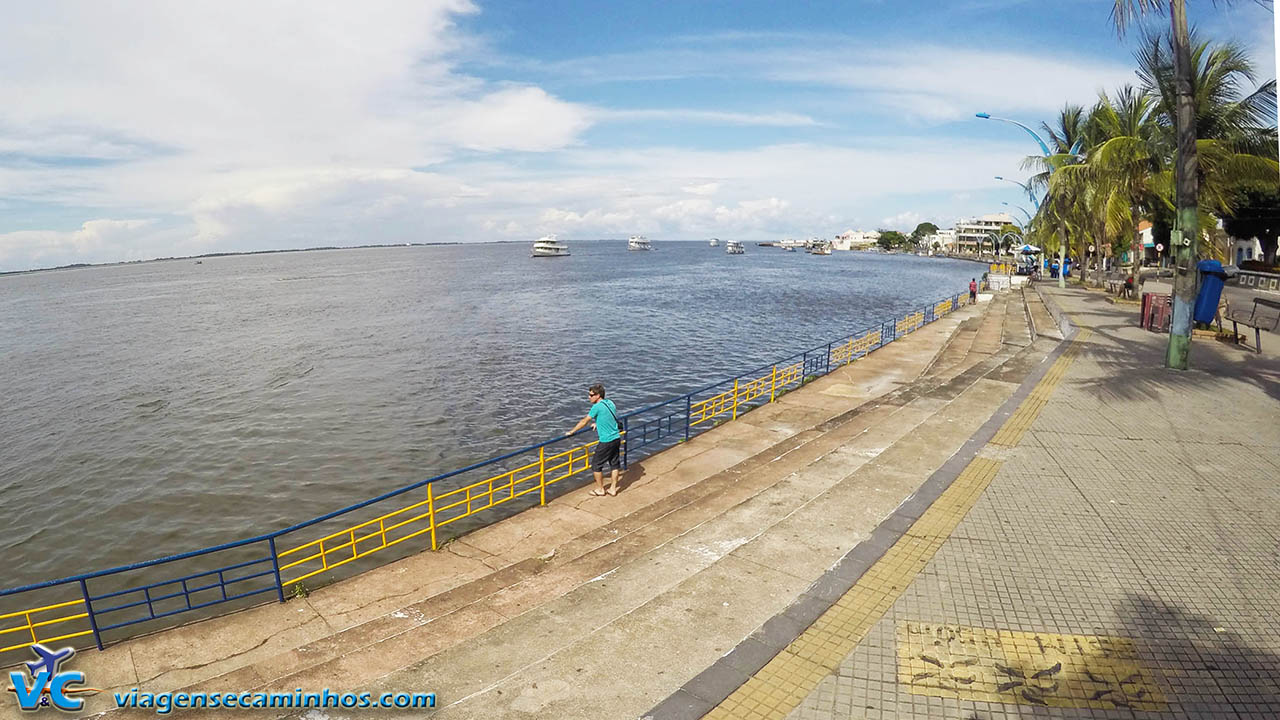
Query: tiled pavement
{"points": [[1114, 555]]}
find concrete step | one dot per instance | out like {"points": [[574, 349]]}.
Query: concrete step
{"points": [[486, 578], [417, 631], [673, 610], [1042, 322], [964, 349]]}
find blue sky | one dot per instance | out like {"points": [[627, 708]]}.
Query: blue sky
{"points": [[158, 129]]}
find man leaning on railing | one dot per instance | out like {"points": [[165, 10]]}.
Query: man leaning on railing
{"points": [[604, 416]]}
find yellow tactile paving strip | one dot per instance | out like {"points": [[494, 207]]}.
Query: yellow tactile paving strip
{"points": [[1010, 434], [984, 665], [781, 685]]}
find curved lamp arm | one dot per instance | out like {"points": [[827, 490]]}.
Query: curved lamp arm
{"points": [[1032, 133]]}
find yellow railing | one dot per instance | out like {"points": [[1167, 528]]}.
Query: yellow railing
{"points": [[30, 625], [426, 516], [910, 323], [429, 515]]}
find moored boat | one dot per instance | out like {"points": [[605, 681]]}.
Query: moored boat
{"points": [[733, 247]]}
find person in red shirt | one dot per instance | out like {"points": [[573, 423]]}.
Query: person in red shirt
{"points": [[973, 290]]}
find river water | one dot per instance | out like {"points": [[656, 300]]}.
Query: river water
{"points": [[160, 407]]}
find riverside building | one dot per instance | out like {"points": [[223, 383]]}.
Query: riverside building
{"points": [[973, 233]]}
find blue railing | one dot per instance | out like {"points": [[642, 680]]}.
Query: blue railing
{"points": [[69, 608]]}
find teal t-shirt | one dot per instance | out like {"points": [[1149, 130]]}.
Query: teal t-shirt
{"points": [[604, 414]]}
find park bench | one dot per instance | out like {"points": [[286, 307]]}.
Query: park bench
{"points": [[1264, 315], [1115, 282]]}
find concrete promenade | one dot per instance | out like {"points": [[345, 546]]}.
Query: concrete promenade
{"points": [[981, 520], [468, 620], [1112, 550]]}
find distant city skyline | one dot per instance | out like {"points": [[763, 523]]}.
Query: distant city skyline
{"points": [[154, 129]]}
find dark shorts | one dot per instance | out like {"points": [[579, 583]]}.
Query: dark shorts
{"points": [[973, 294], [607, 454]]}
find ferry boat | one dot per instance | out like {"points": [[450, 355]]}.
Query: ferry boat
{"points": [[820, 247], [734, 247], [714, 242], [549, 246], [638, 242]]}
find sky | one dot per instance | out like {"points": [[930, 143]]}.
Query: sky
{"points": [[131, 131]]}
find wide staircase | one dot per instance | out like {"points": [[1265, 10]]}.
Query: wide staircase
{"points": [[629, 604]]}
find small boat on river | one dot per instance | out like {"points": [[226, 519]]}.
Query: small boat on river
{"points": [[714, 242], [549, 246], [638, 242]]}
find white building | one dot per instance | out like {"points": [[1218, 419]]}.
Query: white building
{"points": [[855, 240], [973, 233], [1242, 250], [944, 239]]}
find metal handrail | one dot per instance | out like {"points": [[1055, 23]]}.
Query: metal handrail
{"points": [[816, 361]]}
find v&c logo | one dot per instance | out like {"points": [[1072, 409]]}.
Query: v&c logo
{"points": [[49, 683]]}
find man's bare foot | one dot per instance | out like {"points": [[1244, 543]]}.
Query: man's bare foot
{"points": [[613, 490], [599, 493]]}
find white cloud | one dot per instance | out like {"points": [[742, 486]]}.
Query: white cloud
{"points": [[95, 241], [244, 126], [904, 221], [703, 189]]}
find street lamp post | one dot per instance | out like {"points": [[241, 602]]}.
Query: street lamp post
{"points": [[1024, 210], [1025, 188], [1062, 281]]}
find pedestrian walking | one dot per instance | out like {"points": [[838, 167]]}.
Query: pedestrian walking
{"points": [[604, 418], [973, 290]]}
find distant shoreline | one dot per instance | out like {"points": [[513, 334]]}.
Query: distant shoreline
{"points": [[80, 266], [77, 266]]}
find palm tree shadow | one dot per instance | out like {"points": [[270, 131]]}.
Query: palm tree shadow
{"points": [[1135, 365], [1210, 669]]}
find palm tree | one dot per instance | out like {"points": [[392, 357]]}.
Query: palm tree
{"points": [[1065, 139], [1186, 174], [1126, 163]]}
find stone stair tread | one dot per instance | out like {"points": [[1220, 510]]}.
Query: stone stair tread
{"points": [[521, 587]]}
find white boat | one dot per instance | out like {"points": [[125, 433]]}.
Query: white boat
{"points": [[549, 246], [714, 242], [816, 246], [638, 242], [733, 247], [790, 244]]}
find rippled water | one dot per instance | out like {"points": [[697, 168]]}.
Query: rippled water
{"points": [[155, 408]]}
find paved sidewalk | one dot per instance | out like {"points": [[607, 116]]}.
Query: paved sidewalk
{"points": [[1113, 551]]}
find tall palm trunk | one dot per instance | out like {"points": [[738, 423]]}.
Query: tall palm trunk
{"points": [[1186, 235]]}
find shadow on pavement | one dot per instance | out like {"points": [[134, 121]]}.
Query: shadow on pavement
{"points": [[1209, 669]]}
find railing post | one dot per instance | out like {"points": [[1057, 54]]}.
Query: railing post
{"points": [[88, 605], [735, 399], [542, 475], [431, 513], [275, 566], [773, 383], [623, 434], [688, 411], [828, 372]]}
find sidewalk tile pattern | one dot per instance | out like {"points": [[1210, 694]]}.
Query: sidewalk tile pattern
{"points": [[809, 661], [1139, 508]]}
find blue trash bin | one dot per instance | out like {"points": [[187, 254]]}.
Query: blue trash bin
{"points": [[1211, 281]]}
